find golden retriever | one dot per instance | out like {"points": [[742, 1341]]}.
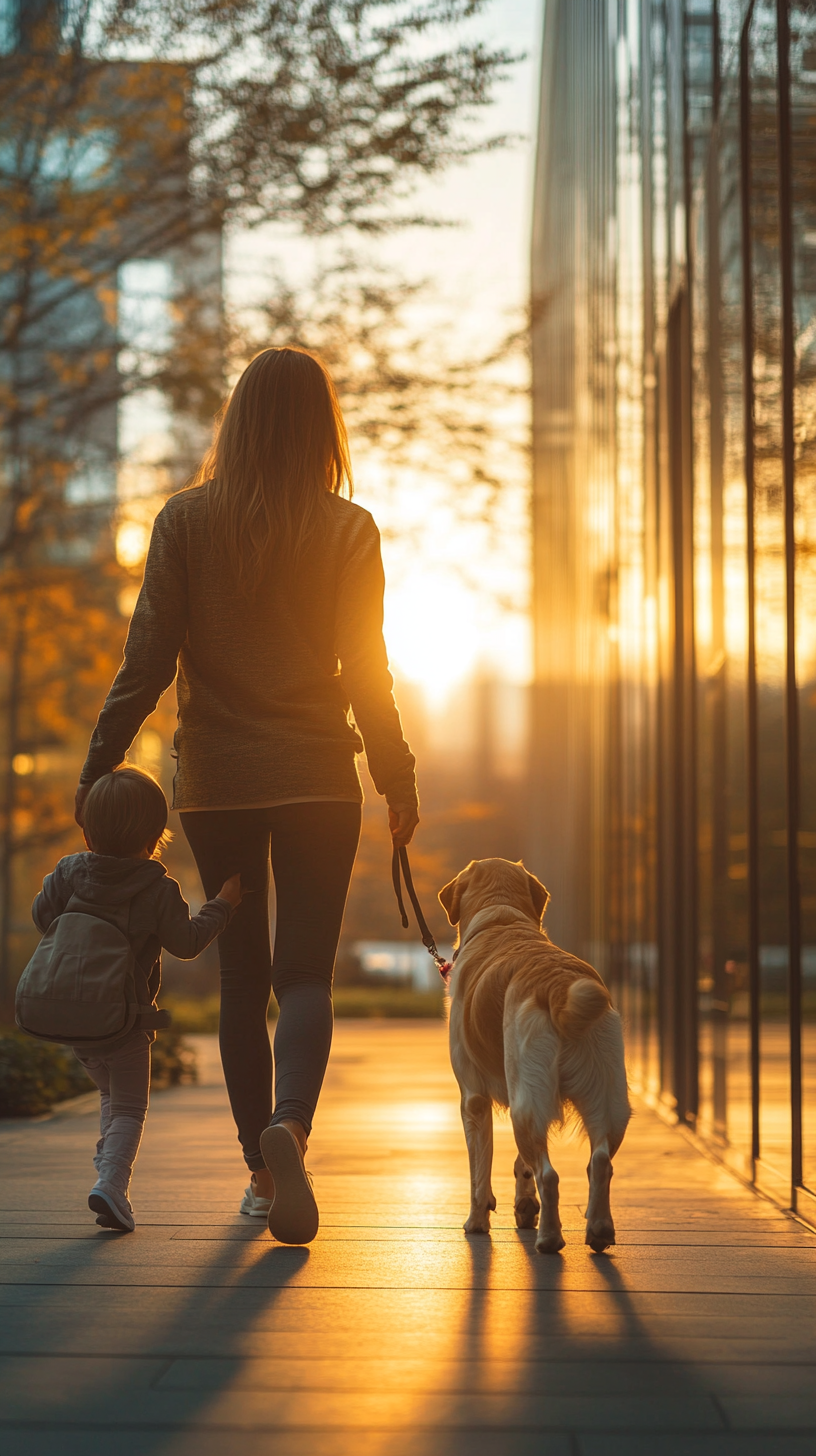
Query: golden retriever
{"points": [[531, 1028]]}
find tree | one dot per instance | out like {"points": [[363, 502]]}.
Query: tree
{"points": [[142, 132], [133, 130], [406, 394]]}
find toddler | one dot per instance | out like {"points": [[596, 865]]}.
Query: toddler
{"points": [[121, 879]]}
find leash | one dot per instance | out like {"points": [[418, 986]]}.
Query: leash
{"points": [[400, 865]]}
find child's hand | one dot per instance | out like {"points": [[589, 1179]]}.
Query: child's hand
{"points": [[231, 891]]}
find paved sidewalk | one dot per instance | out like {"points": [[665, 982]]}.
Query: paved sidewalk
{"points": [[393, 1335]]}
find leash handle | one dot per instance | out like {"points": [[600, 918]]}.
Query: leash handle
{"points": [[401, 869], [395, 876]]}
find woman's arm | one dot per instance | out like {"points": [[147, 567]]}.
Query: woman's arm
{"points": [[368, 682], [157, 631]]}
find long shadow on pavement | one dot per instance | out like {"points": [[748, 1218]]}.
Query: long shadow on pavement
{"points": [[121, 1398]]}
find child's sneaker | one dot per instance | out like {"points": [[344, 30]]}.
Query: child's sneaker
{"points": [[252, 1203], [112, 1208]]}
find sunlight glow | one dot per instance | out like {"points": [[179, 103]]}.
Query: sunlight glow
{"points": [[132, 541], [424, 1116], [431, 632], [440, 633]]}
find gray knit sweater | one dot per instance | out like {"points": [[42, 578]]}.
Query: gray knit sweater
{"points": [[264, 682]]}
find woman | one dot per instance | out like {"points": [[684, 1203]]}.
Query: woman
{"points": [[263, 590]]}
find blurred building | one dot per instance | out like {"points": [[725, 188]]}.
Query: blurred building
{"points": [[674, 338], [110, 362], [121, 257], [394, 963]]}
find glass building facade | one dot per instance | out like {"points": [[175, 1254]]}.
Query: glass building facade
{"points": [[674, 365]]}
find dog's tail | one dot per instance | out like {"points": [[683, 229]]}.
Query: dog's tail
{"points": [[585, 1002]]}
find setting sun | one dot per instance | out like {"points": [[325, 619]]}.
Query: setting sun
{"points": [[431, 632]]}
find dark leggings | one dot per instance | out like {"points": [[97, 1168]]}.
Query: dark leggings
{"points": [[312, 847]]}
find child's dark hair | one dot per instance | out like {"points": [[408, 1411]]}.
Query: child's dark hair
{"points": [[125, 813]]}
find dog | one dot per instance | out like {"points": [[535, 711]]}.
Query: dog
{"points": [[531, 1028]]}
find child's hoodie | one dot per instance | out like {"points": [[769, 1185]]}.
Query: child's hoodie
{"points": [[159, 916]]}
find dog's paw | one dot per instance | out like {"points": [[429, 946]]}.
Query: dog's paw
{"points": [[550, 1243], [478, 1223], [600, 1235], [526, 1211]]}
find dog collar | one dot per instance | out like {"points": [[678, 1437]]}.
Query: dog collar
{"points": [[487, 918]]}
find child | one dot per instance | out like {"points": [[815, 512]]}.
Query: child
{"points": [[125, 825]]}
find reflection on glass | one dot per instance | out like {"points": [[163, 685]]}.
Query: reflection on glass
{"points": [[803, 105], [639, 364], [769, 536], [708, 574], [720, 584], [631, 628]]}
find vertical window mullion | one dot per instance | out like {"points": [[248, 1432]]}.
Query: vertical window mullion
{"points": [[752, 753]]}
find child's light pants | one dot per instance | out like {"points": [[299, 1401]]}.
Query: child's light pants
{"points": [[123, 1078]]}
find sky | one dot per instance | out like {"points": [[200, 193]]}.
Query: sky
{"points": [[483, 264], [478, 272]]}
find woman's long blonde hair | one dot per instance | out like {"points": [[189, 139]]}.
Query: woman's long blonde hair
{"points": [[280, 447]]}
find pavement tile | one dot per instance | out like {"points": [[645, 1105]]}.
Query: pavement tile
{"points": [[543, 1378], [394, 1335], [728, 1443], [167, 1442], [788, 1411], [363, 1409]]}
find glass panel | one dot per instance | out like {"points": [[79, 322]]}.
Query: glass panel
{"points": [[774, 1141], [803, 99], [655, 121], [610, 361], [708, 635], [633, 883], [574, 363], [732, 988], [721, 612]]}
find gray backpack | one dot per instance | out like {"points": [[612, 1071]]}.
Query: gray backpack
{"points": [[80, 986]]}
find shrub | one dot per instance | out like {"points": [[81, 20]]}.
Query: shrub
{"points": [[389, 1001], [201, 1015], [36, 1074], [174, 1062], [191, 1014]]}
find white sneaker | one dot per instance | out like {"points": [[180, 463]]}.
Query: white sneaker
{"points": [[112, 1208], [252, 1203], [293, 1217]]}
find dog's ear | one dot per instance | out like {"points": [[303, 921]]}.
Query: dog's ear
{"points": [[539, 895], [450, 896]]}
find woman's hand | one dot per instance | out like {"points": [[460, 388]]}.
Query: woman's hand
{"points": [[402, 821], [231, 891]]}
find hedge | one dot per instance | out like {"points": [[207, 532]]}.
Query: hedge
{"points": [[34, 1075], [354, 1002]]}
